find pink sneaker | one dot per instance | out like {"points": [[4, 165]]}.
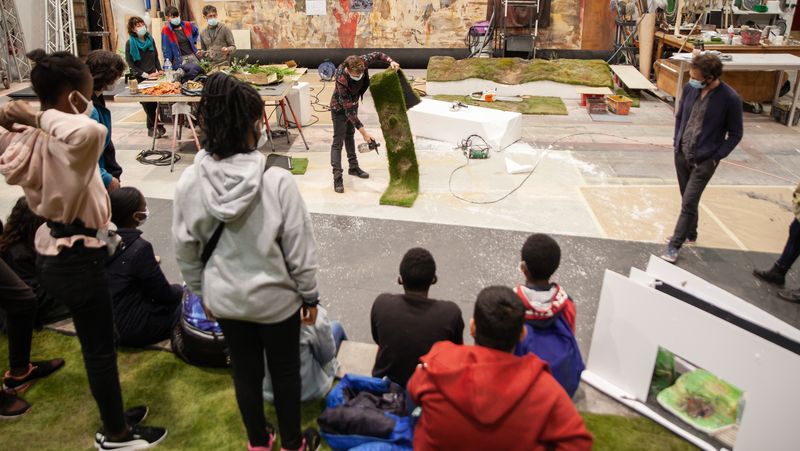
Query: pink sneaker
{"points": [[263, 448]]}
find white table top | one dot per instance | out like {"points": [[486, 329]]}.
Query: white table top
{"points": [[753, 61]]}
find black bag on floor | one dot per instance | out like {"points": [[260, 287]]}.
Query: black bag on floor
{"points": [[197, 340]]}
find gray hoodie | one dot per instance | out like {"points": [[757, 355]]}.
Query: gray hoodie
{"points": [[265, 263], [318, 363]]}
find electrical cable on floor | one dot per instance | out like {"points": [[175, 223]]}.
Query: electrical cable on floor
{"points": [[157, 157], [550, 146]]}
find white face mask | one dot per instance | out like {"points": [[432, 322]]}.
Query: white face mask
{"points": [[175, 21], [141, 31], [262, 136], [356, 78], [143, 215], [87, 111]]}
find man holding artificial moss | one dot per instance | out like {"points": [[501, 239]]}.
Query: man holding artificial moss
{"points": [[216, 40], [351, 82]]}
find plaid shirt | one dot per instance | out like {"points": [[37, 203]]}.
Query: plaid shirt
{"points": [[343, 98]]}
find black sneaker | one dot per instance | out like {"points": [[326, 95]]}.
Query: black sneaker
{"points": [[311, 440], [136, 415], [358, 172], [338, 184], [11, 405], [36, 370], [138, 437]]}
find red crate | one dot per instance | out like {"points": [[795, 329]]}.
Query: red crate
{"points": [[619, 105]]}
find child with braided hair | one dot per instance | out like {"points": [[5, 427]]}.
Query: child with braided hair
{"points": [[243, 241]]}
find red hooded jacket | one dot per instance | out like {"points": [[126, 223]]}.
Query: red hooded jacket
{"points": [[477, 398]]}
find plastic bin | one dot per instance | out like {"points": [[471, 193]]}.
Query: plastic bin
{"points": [[619, 105]]}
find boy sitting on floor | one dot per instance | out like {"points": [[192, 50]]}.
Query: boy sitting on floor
{"points": [[405, 326], [549, 313], [483, 397]]}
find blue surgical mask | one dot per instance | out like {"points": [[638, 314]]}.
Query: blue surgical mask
{"points": [[213, 22], [141, 31], [696, 84], [175, 21]]}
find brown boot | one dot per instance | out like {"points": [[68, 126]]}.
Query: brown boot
{"points": [[11, 405]]}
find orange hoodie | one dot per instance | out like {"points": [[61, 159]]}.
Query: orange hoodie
{"points": [[477, 398]]}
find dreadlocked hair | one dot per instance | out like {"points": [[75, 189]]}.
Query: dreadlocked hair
{"points": [[226, 114], [55, 73], [21, 226]]}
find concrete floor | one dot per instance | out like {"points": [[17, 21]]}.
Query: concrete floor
{"points": [[607, 191]]}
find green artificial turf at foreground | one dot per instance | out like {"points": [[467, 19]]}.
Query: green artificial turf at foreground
{"points": [[514, 71], [529, 105], [198, 406]]}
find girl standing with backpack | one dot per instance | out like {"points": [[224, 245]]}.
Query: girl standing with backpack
{"points": [[259, 276]]}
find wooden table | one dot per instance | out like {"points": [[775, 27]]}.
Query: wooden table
{"points": [[670, 40], [273, 96], [777, 62]]}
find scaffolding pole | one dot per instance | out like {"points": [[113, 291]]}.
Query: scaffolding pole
{"points": [[59, 26], [13, 46]]}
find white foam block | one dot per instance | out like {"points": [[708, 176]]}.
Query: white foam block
{"points": [[433, 119]]}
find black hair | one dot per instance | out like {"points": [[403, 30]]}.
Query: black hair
{"points": [[172, 11], [106, 67], [226, 114], [709, 65], [499, 317], [417, 269], [125, 202], [541, 255], [55, 73], [209, 9], [21, 226]]}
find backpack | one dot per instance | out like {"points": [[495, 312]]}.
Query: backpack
{"points": [[196, 339], [557, 346]]}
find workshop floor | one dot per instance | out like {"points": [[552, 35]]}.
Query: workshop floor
{"points": [[606, 190]]}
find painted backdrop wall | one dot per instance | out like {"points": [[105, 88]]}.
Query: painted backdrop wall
{"points": [[390, 23]]}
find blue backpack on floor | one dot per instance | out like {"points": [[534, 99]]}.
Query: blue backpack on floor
{"points": [[402, 436], [557, 346], [196, 339]]}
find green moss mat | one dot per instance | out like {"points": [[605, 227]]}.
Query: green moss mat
{"points": [[515, 71], [198, 407], [529, 105], [299, 166], [390, 103]]}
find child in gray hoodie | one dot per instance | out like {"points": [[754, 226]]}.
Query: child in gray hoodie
{"points": [[261, 277]]}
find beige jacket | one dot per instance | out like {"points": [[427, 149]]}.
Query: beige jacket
{"points": [[56, 166]]}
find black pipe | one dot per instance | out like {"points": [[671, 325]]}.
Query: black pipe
{"points": [[416, 58]]}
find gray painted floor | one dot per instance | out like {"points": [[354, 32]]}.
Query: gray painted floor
{"points": [[359, 259]]}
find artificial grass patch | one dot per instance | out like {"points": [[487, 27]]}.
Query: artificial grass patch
{"points": [[529, 104], [198, 406], [299, 165], [515, 71], [390, 103]]}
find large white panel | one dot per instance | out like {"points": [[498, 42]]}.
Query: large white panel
{"points": [[433, 119]]}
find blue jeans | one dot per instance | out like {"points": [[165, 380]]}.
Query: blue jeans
{"points": [[339, 334], [792, 249]]}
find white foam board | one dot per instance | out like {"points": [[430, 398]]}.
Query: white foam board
{"points": [[433, 119], [535, 88]]}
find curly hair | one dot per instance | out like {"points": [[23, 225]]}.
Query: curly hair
{"points": [[355, 63], [55, 73], [417, 269], [709, 65], [106, 67], [21, 226], [227, 111], [133, 24]]}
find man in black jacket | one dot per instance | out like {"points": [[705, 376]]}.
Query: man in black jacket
{"points": [[351, 82], [708, 126]]}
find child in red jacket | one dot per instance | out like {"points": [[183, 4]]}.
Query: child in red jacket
{"points": [[483, 397]]}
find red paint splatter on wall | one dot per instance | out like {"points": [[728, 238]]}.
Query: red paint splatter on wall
{"points": [[348, 24]]}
